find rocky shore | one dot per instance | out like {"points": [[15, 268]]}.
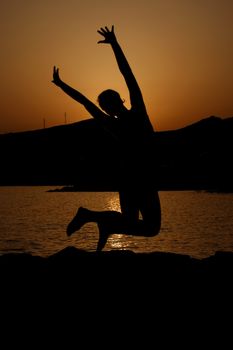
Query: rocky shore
{"points": [[72, 264], [115, 286]]}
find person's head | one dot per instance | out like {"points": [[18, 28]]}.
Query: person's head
{"points": [[110, 101]]}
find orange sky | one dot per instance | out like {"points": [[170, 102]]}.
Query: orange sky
{"points": [[180, 51]]}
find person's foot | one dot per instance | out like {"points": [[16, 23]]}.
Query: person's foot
{"points": [[78, 221], [103, 237]]}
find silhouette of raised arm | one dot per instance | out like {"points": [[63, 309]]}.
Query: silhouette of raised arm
{"points": [[77, 96], [136, 97]]}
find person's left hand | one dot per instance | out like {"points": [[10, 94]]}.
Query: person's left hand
{"points": [[109, 36], [56, 78]]}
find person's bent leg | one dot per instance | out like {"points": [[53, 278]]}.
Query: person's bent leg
{"points": [[150, 209], [83, 216], [128, 223]]}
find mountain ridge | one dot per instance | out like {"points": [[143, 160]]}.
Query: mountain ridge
{"points": [[83, 154]]}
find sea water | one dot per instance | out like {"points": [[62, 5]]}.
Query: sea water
{"points": [[34, 220]]}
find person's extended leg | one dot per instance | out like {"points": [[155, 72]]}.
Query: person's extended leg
{"points": [[151, 211], [129, 205], [147, 202], [129, 223]]}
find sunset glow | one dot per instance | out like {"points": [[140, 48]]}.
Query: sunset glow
{"points": [[181, 53]]}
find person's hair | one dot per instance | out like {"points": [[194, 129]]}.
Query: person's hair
{"points": [[109, 97]]}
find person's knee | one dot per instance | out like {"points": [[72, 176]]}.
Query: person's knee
{"points": [[153, 229]]}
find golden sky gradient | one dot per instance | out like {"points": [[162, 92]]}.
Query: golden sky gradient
{"points": [[180, 51]]}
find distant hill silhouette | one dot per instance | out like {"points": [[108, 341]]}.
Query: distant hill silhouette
{"points": [[82, 154]]}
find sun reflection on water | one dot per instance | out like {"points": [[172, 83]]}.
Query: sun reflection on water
{"points": [[113, 202], [117, 241], [34, 221]]}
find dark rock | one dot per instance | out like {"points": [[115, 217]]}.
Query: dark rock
{"points": [[79, 265]]}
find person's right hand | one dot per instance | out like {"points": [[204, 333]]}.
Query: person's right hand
{"points": [[56, 79], [109, 36]]}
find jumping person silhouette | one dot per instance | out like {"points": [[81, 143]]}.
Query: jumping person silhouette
{"points": [[132, 129]]}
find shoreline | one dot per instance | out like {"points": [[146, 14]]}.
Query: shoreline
{"points": [[72, 260], [74, 188]]}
